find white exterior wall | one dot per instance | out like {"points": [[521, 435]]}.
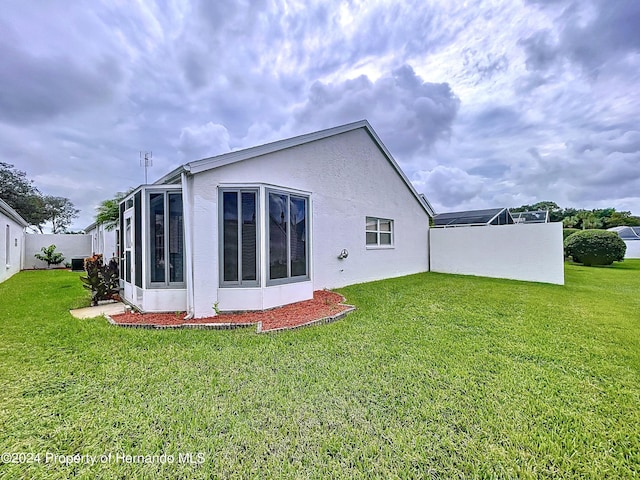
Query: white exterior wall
{"points": [[161, 299], [348, 179], [103, 241], [13, 264], [531, 252], [633, 249], [71, 246]]}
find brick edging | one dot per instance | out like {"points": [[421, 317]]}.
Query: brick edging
{"points": [[231, 326]]}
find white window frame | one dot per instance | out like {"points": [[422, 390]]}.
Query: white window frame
{"points": [[378, 231], [8, 246]]}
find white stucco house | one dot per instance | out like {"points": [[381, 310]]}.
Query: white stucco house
{"points": [[266, 226], [631, 238], [103, 241], [12, 239]]}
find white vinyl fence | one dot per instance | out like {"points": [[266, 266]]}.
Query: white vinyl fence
{"points": [[531, 252]]}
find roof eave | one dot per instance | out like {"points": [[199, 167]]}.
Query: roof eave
{"points": [[6, 209], [210, 163], [422, 199], [257, 151], [173, 175]]}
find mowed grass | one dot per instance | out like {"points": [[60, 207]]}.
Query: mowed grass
{"points": [[436, 376]]}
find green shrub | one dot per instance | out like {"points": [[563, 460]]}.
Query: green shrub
{"points": [[595, 247], [569, 231], [50, 256]]}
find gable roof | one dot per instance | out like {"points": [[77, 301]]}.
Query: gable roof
{"points": [[12, 214], [468, 217], [253, 152]]}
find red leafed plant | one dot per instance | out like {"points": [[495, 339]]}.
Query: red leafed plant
{"points": [[103, 280]]}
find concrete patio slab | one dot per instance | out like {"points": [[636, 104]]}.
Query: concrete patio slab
{"points": [[91, 312]]}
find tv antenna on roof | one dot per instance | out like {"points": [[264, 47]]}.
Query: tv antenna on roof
{"points": [[146, 161]]}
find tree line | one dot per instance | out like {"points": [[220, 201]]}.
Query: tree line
{"points": [[36, 208], [600, 218]]}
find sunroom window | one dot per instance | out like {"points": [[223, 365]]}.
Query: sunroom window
{"points": [[239, 247], [288, 237], [166, 238], [379, 232]]}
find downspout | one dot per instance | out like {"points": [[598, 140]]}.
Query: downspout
{"points": [[188, 246]]}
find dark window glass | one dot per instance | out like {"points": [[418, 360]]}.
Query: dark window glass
{"points": [[278, 220], [127, 246], [249, 236], [288, 234], [156, 233], [230, 236], [298, 237], [121, 241], [176, 238], [239, 236], [137, 240], [127, 272]]}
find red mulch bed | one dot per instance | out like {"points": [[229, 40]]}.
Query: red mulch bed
{"points": [[323, 305]]}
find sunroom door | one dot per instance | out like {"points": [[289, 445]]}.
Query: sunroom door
{"points": [[129, 264]]}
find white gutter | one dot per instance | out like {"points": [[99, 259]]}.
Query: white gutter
{"points": [[429, 249], [188, 245]]}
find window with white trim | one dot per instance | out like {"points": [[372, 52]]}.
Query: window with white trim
{"points": [[379, 232], [8, 246]]}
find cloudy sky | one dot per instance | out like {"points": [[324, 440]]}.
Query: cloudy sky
{"points": [[483, 103]]}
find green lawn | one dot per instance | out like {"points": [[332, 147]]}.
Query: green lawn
{"points": [[433, 376]]}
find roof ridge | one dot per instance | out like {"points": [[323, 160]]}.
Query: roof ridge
{"points": [[209, 163]]}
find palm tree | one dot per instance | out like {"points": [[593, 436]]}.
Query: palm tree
{"points": [[108, 211], [589, 220]]}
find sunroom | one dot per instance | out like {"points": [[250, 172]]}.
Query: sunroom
{"points": [[264, 248], [152, 253], [262, 257]]}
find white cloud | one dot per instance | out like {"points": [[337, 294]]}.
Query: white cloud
{"points": [[409, 113], [203, 141], [449, 187], [481, 103]]}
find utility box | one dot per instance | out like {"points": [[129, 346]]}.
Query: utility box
{"points": [[77, 264]]}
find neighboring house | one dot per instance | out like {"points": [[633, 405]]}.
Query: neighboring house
{"points": [[266, 226], [535, 216], [103, 241], [631, 237], [12, 237], [490, 216]]}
